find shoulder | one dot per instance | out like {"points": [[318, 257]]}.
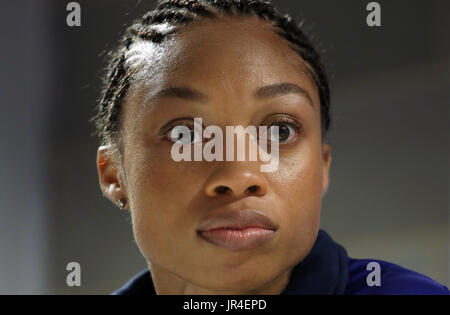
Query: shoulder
{"points": [[141, 283], [374, 276]]}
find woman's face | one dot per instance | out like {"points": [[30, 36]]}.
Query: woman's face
{"points": [[227, 61]]}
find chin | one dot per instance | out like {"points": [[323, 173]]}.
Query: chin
{"points": [[244, 280]]}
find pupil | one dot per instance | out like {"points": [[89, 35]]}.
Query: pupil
{"points": [[283, 132]]}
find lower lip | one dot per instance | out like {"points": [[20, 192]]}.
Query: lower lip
{"points": [[236, 240]]}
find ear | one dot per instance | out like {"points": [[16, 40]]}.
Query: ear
{"points": [[110, 175], [326, 162]]}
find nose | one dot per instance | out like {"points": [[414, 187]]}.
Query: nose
{"points": [[237, 182]]}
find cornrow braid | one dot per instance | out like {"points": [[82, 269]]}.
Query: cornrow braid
{"points": [[178, 13]]}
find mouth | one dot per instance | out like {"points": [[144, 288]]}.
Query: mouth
{"points": [[238, 230]]}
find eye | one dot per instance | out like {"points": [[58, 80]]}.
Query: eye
{"points": [[184, 134], [288, 129], [285, 132]]}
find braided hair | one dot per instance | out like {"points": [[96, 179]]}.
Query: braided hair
{"points": [[178, 13]]}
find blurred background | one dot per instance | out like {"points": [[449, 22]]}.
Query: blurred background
{"points": [[389, 192]]}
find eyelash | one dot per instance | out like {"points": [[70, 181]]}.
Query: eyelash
{"points": [[289, 120]]}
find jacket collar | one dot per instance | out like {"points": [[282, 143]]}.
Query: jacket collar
{"points": [[323, 271]]}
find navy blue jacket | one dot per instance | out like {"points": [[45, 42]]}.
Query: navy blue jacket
{"points": [[328, 270]]}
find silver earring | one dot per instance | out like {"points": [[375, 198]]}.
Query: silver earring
{"points": [[121, 203]]}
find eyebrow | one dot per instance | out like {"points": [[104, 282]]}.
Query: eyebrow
{"points": [[268, 91], [280, 89], [183, 93]]}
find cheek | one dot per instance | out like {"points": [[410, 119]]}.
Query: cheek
{"points": [[160, 191], [300, 191]]}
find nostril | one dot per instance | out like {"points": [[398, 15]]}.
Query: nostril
{"points": [[222, 190], [253, 189]]}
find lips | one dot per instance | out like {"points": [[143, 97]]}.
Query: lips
{"points": [[238, 230]]}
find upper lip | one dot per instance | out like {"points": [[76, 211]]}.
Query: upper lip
{"points": [[238, 220]]}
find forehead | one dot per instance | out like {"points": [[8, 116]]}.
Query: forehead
{"points": [[225, 55]]}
